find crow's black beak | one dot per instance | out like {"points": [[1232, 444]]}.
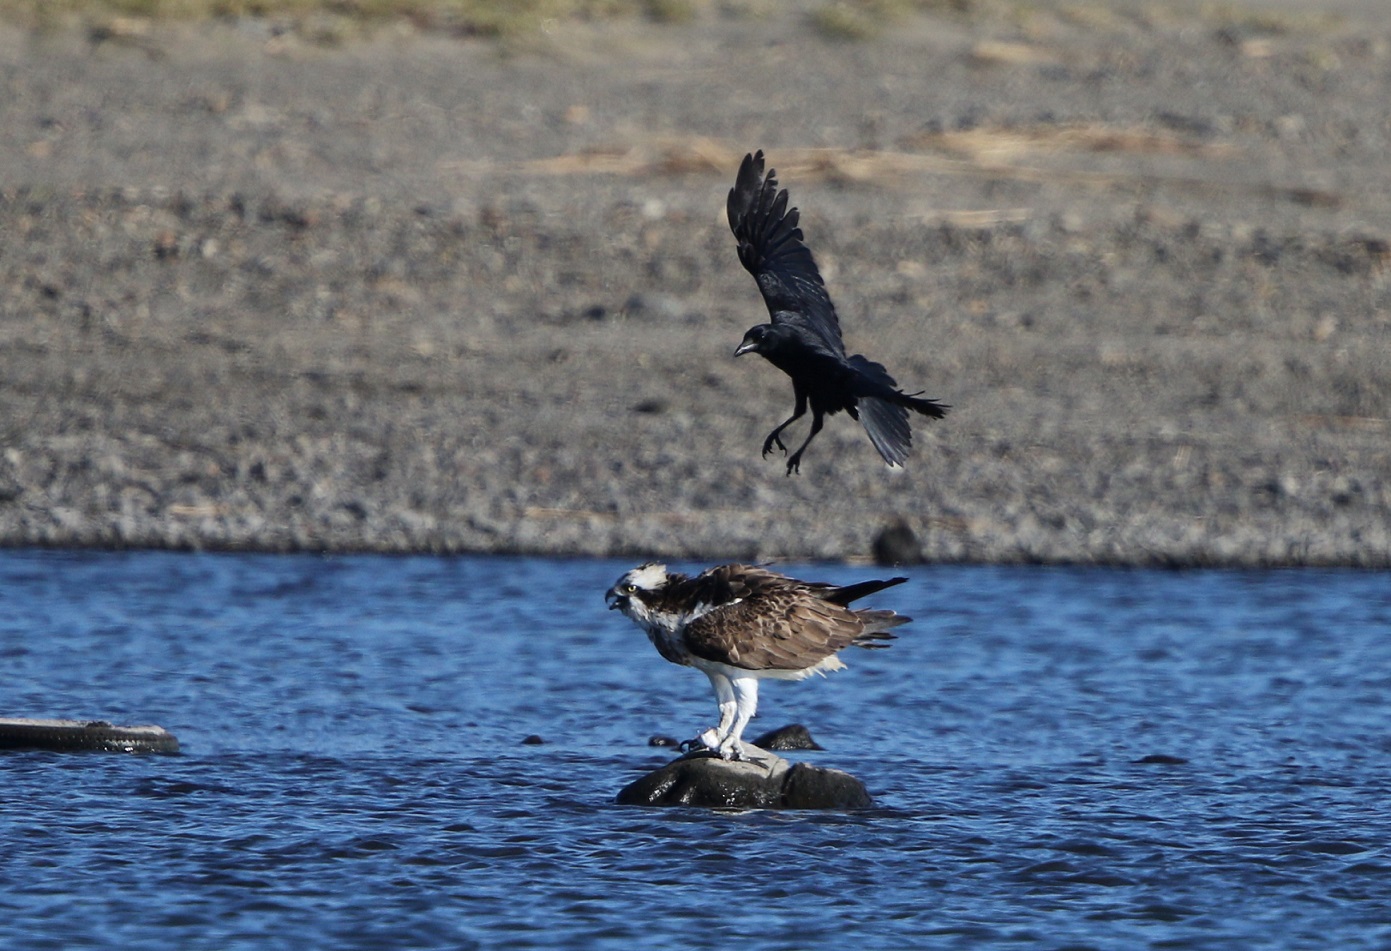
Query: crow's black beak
{"points": [[747, 346]]}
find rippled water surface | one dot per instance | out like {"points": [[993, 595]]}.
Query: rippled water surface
{"points": [[1061, 758]]}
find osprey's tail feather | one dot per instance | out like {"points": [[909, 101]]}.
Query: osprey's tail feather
{"points": [[877, 621], [878, 624], [845, 594]]}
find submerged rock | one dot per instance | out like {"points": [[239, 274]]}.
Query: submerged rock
{"points": [[897, 544], [761, 781]]}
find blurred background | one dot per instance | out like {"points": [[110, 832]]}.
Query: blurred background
{"points": [[455, 276]]}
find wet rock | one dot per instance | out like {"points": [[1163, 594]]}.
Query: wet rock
{"points": [[762, 781], [816, 787], [897, 544], [794, 736]]}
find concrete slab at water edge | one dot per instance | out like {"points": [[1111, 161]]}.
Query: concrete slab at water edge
{"points": [[23, 733]]}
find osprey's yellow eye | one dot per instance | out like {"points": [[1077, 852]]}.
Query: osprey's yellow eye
{"points": [[630, 588]]}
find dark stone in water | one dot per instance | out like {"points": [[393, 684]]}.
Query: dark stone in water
{"points": [[762, 781], [816, 787], [663, 741], [533, 740], [794, 736], [1160, 759], [897, 544]]}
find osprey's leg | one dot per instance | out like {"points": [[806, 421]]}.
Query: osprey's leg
{"points": [[724, 696], [746, 705], [795, 463], [798, 412]]}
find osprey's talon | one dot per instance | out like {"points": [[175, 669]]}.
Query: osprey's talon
{"points": [[705, 742]]}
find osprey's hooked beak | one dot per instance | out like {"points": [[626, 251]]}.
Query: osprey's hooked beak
{"points": [[614, 600]]}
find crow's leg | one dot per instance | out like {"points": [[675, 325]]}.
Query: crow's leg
{"points": [[795, 463], [798, 412], [773, 439]]}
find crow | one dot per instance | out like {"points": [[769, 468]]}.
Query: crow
{"points": [[803, 338]]}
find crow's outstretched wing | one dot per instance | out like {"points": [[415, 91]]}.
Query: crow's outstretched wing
{"points": [[771, 248]]}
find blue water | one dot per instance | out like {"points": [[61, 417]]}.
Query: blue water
{"points": [[353, 773]]}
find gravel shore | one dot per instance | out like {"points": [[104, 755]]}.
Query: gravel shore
{"points": [[423, 293]]}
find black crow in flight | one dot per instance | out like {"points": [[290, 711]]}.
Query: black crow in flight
{"points": [[803, 338]]}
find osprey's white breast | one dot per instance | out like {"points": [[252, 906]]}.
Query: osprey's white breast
{"points": [[667, 630]]}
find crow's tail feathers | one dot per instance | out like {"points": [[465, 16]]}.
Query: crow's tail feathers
{"points": [[920, 404], [887, 426], [884, 410]]}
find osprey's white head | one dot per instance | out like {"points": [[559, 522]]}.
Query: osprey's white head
{"points": [[635, 592]]}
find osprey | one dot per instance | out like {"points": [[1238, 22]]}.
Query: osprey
{"points": [[740, 624], [803, 337]]}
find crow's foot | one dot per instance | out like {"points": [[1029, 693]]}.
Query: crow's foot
{"points": [[795, 463], [770, 442]]}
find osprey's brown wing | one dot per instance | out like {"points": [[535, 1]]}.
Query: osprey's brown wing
{"points": [[772, 623]]}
